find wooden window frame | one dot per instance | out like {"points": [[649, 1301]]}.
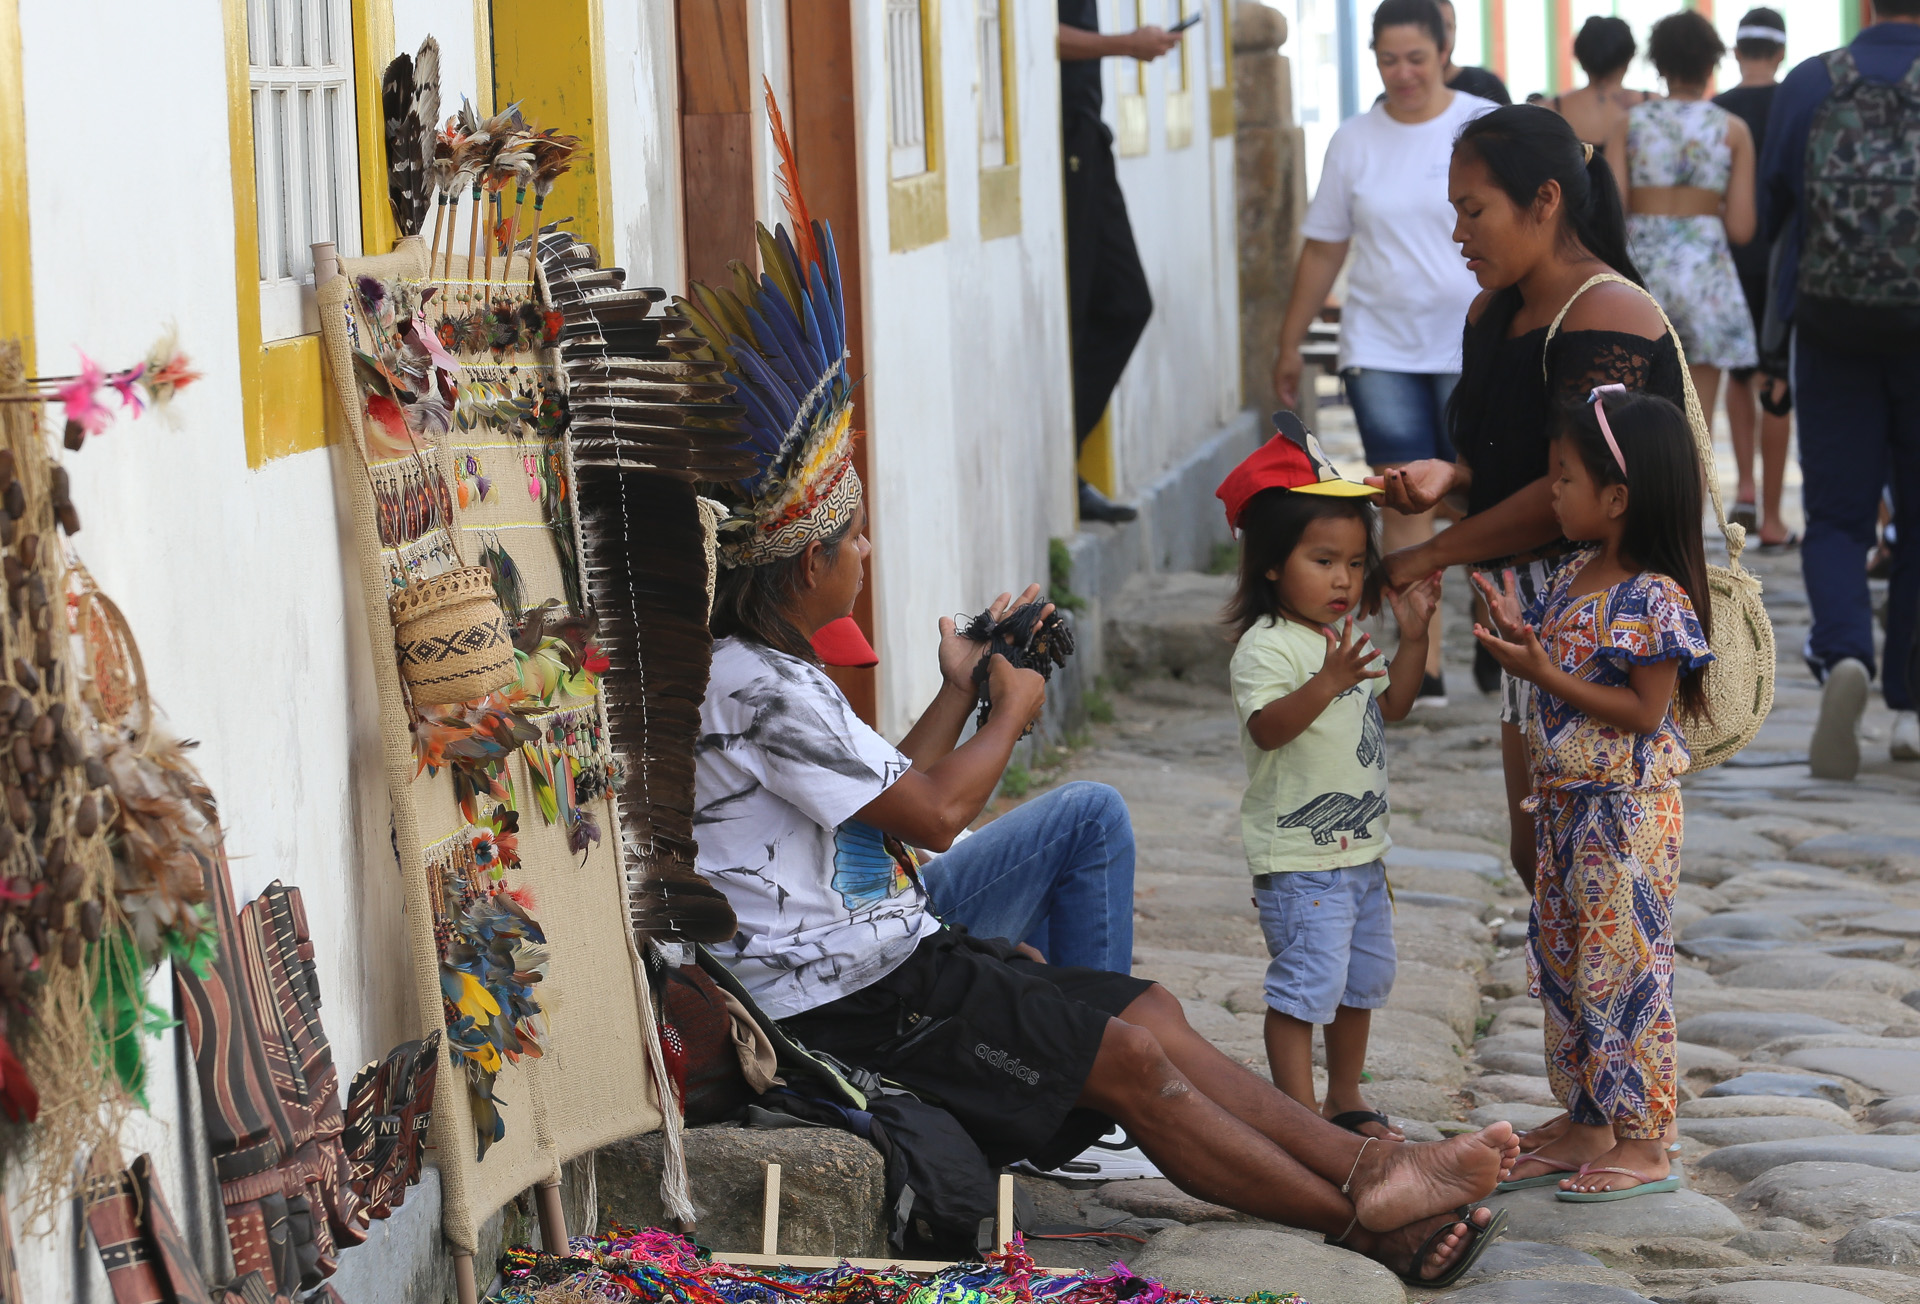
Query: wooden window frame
{"points": [[917, 205], [283, 392], [1000, 186]]}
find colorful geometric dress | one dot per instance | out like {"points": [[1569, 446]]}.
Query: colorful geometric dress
{"points": [[1606, 808]]}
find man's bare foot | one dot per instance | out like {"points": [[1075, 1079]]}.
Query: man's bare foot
{"points": [[1396, 1249], [1645, 1161], [1547, 1133], [1398, 1184]]}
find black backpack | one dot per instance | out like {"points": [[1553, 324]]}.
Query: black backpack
{"points": [[1860, 263]]}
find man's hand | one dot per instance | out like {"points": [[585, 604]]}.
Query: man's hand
{"points": [[959, 654], [1148, 43], [1350, 660], [1017, 695], [1029, 952], [1288, 367]]}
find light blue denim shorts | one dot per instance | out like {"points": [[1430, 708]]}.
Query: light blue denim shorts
{"points": [[1330, 934]]}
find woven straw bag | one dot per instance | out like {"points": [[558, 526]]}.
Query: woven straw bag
{"points": [[1740, 680]]}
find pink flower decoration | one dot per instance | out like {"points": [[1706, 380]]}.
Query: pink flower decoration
{"points": [[81, 398], [128, 383]]}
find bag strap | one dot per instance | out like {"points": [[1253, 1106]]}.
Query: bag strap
{"points": [[1735, 535]]}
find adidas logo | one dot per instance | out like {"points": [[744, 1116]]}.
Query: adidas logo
{"points": [[999, 1060]]}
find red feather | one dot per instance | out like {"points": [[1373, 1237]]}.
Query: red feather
{"points": [[790, 187]]}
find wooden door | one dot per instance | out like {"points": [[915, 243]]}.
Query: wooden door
{"points": [[716, 137]]}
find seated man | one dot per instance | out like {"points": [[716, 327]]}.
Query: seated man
{"points": [[801, 810]]}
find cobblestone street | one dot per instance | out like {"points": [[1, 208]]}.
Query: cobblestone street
{"points": [[1796, 991]]}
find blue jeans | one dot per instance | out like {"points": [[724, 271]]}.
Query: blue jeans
{"points": [[1859, 417], [1402, 415], [1056, 873]]}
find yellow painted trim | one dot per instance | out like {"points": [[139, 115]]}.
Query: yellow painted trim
{"points": [[1180, 102], [550, 60], [1134, 137], [1096, 456], [1010, 84], [917, 206], [373, 49], [16, 241], [1220, 110], [482, 58], [999, 202], [282, 392]]}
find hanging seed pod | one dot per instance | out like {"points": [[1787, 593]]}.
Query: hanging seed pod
{"points": [[15, 573], [66, 747], [42, 733], [70, 947], [25, 676], [9, 975], [21, 750], [46, 767], [68, 516], [19, 809], [40, 909], [59, 486], [15, 499], [37, 594], [20, 888], [29, 550], [43, 649], [42, 934], [8, 842], [58, 710], [6, 527], [86, 816], [24, 714], [10, 699], [22, 947], [97, 776], [90, 916], [74, 436], [6, 466]]}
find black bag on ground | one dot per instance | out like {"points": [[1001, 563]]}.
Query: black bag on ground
{"points": [[940, 1191]]}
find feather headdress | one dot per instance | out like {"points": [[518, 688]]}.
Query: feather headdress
{"points": [[410, 104], [783, 342]]}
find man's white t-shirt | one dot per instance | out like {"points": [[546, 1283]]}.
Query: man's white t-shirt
{"points": [[781, 766], [1384, 187]]}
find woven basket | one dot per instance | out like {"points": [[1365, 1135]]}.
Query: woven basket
{"points": [[452, 638]]}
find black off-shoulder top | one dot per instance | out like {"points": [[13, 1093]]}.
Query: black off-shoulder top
{"points": [[1504, 411]]}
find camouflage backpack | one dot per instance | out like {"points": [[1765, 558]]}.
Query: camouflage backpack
{"points": [[1860, 263]]}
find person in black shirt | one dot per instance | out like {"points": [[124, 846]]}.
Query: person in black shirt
{"points": [[1474, 81], [1760, 46], [1108, 300]]}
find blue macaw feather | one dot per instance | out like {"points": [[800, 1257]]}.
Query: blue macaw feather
{"points": [[825, 240], [823, 310], [787, 327], [815, 336], [780, 400], [777, 351]]}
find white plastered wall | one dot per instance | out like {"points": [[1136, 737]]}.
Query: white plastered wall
{"points": [[236, 582]]}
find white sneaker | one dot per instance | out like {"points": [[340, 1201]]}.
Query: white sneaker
{"points": [[1904, 745], [1112, 1158], [1834, 751]]}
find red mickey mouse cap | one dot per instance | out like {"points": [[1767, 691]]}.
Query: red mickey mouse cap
{"points": [[1290, 460]]}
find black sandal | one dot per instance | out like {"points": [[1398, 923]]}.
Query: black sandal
{"points": [[1478, 1239], [1353, 1119]]}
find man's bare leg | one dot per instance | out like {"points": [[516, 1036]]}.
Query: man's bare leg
{"points": [[1216, 1115]]}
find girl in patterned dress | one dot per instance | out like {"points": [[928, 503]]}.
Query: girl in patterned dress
{"points": [[1616, 643]]}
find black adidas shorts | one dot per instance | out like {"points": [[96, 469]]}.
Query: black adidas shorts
{"points": [[1004, 1044]]}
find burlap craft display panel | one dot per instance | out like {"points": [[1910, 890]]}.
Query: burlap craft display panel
{"points": [[592, 1085]]}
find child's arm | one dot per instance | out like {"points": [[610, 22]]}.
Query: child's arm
{"points": [[1349, 662], [1639, 708], [1413, 608]]}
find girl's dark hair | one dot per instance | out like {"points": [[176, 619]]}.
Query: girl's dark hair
{"points": [[1604, 45], [1410, 13], [1270, 528], [1684, 47], [1753, 47], [1661, 531], [752, 601]]}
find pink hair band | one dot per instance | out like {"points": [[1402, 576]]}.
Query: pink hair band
{"points": [[1600, 414]]}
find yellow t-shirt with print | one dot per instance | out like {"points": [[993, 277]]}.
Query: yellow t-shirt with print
{"points": [[1320, 802]]}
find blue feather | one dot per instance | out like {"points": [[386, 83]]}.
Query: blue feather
{"points": [[823, 309], [779, 399], [832, 255], [806, 358], [815, 336], [781, 349]]}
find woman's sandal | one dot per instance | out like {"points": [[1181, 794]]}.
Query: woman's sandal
{"points": [[1478, 1239], [1647, 1186], [1560, 1170]]}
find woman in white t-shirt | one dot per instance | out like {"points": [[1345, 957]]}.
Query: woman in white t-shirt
{"points": [[1383, 199]]}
